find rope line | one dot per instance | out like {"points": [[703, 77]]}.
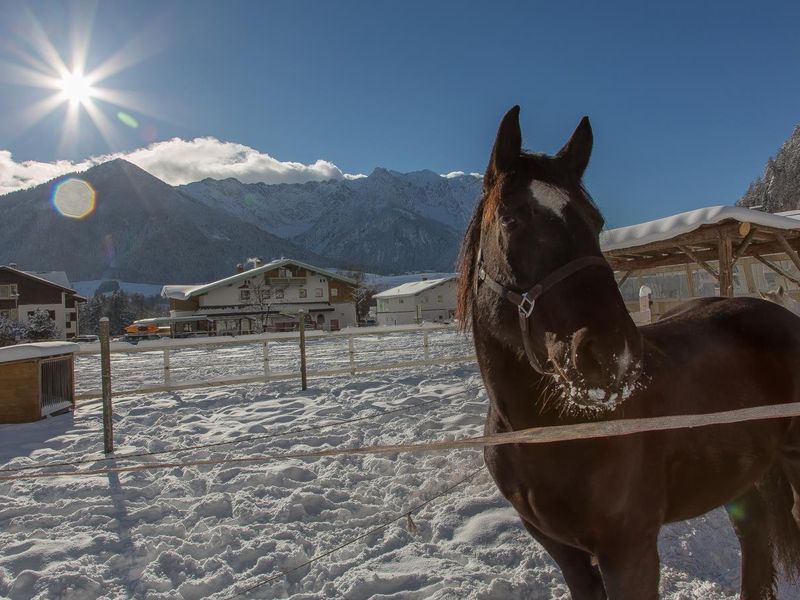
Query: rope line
{"points": [[257, 437], [533, 435], [384, 525]]}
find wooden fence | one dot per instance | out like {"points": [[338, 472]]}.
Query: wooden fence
{"points": [[166, 365]]}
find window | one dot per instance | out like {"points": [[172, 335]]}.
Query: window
{"points": [[400, 300], [318, 292], [279, 294], [267, 293], [8, 291], [303, 292], [8, 314], [52, 314], [244, 295], [439, 299], [334, 292], [284, 272]]}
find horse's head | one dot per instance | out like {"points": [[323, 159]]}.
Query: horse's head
{"points": [[536, 230]]}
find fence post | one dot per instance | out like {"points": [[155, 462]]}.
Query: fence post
{"points": [[426, 347], [352, 352], [301, 314], [166, 366], [266, 359], [105, 368]]}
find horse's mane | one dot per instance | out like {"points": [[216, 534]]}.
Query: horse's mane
{"points": [[467, 258]]}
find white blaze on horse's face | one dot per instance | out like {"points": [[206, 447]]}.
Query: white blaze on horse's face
{"points": [[548, 196]]}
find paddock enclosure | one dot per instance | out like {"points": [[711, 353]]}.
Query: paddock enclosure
{"points": [[215, 532]]}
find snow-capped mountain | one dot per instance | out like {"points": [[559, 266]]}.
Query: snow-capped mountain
{"points": [[144, 230], [778, 189], [141, 230], [388, 222]]}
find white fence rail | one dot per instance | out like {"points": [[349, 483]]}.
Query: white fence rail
{"points": [[163, 365]]}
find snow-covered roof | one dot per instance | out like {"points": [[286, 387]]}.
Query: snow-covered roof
{"points": [[670, 227], [36, 350], [413, 288], [184, 292], [57, 277]]}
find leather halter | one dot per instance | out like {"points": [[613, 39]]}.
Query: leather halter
{"points": [[526, 301]]}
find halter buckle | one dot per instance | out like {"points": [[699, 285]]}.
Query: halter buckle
{"points": [[526, 305]]}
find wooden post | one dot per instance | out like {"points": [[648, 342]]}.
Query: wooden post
{"points": [[105, 368], [352, 353], [301, 314], [725, 266], [166, 366], [426, 347], [690, 282], [266, 359]]}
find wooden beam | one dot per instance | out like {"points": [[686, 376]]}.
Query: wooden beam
{"points": [[690, 281], [725, 266], [777, 269], [756, 247], [707, 236], [624, 278], [696, 258], [788, 249], [744, 245]]}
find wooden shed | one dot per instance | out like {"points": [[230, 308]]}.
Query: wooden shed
{"points": [[36, 380], [720, 241]]}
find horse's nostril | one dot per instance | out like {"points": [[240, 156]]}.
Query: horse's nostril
{"points": [[589, 358]]}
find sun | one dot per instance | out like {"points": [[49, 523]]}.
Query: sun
{"points": [[76, 88]]}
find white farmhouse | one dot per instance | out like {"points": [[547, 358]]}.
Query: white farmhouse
{"points": [[24, 292], [418, 301], [264, 298]]}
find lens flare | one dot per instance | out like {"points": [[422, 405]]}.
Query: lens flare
{"points": [[127, 119], [74, 198]]}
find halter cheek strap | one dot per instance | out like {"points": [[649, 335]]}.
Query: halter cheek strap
{"points": [[526, 301]]}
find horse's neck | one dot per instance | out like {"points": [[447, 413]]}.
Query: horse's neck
{"points": [[518, 394]]}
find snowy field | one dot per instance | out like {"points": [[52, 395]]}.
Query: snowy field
{"points": [[217, 531]]}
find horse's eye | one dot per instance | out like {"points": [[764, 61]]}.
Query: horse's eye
{"points": [[508, 222]]}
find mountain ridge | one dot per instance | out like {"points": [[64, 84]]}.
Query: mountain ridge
{"points": [[144, 230]]}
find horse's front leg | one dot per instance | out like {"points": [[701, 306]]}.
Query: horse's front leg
{"points": [[630, 567], [582, 577]]}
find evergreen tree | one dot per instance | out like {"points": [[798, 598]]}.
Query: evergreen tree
{"points": [[89, 314], [41, 326], [119, 312]]}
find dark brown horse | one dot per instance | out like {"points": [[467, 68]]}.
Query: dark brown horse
{"points": [[556, 345]]}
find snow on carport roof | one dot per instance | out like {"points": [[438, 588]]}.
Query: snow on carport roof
{"points": [[670, 227]]}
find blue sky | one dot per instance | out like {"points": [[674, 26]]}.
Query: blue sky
{"points": [[687, 100]]}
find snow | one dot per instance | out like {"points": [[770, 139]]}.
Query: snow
{"points": [[207, 532], [412, 288], [36, 350], [58, 277], [669, 227]]}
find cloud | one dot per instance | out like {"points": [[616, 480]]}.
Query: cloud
{"points": [[178, 161], [454, 174]]}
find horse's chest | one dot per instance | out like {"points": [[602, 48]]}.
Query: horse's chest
{"points": [[565, 489]]}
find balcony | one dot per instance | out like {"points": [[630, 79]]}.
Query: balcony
{"points": [[286, 280]]}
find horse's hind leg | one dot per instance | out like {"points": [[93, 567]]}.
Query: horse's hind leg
{"points": [[583, 578], [749, 517]]}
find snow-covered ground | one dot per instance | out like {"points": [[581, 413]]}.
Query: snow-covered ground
{"points": [[214, 531]]}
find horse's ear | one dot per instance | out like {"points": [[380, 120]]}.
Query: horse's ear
{"points": [[578, 149], [507, 146]]}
